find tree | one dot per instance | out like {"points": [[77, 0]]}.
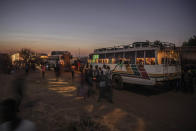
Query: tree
{"points": [[26, 54], [190, 42]]}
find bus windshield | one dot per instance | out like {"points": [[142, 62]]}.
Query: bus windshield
{"points": [[169, 57]]}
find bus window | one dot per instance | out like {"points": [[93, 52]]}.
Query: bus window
{"points": [[91, 56], [174, 57], [132, 57], [106, 61], [127, 54], [140, 57], [113, 61], [110, 55], [150, 61], [96, 61], [102, 61], [119, 55], [102, 56], [139, 61], [160, 57], [127, 61], [130, 54], [140, 54], [110, 61], [150, 57], [168, 57], [99, 60], [132, 60], [89, 60], [150, 53]]}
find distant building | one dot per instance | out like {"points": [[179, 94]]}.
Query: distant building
{"points": [[16, 57], [59, 53]]}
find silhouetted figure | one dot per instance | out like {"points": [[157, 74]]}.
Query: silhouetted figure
{"points": [[72, 72], [82, 89], [78, 65], [194, 80], [27, 68], [57, 71], [18, 87], [43, 71], [97, 76], [33, 66], [9, 69], [104, 68], [188, 80], [86, 73], [12, 122], [178, 84], [109, 92], [105, 86], [90, 80], [102, 86], [191, 76]]}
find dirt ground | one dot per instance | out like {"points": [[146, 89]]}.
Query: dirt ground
{"points": [[54, 106]]}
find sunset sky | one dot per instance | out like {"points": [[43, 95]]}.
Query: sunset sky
{"points": [[46, 25]]}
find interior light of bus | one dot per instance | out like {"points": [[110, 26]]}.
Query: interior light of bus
{"points": [[140, 61], [150, 61]]}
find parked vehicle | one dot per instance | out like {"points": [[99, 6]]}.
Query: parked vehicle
{"points": [[142, 63]]}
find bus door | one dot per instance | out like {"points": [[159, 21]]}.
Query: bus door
{"points": [[166, 64]]}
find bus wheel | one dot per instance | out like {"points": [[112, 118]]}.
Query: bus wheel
{"points": [[117, 82]]}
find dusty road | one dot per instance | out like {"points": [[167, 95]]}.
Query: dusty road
{"points": [[54, 106]]}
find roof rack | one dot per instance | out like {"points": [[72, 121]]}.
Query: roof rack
{"points": [[137, 45]]}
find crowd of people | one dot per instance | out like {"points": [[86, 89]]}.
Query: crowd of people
{"points": [[102, 78]]}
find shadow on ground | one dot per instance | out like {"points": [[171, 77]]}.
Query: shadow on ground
{"points": [[146, 90], [54, 105]]}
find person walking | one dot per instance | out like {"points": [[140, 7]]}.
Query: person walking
{"points": [[102, 86], [109, 92], [72, 72], [78, 65], [194, 80], [90, 80], [97, 74], [26, 68], [82, 89], [191, 77], [187, 79], [86, 72], [104, 69], [43, 71], [57, 71]]}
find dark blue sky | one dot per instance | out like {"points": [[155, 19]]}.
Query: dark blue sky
{"points": [[88, 24]]}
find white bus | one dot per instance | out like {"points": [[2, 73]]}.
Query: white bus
{"points": [[142, 63]]}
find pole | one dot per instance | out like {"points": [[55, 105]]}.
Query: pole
{"points": [[79, 52]]}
